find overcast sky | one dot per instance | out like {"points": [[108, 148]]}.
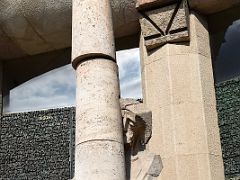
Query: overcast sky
{"points": [[227, 64], [57, 88]]}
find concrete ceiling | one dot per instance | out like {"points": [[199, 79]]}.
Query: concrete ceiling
{"points": [[35, 35], [30, 27]]}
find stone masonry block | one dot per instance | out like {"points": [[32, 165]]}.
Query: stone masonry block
{"points": [[167, 24]]}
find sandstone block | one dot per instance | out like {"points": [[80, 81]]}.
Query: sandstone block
{"points": [[168, 24]]}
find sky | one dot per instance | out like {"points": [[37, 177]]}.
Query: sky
{"points": [[227, 64], [57, 87]]}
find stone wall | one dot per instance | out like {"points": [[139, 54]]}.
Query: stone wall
{"points": [[228, 105], [35, 145]]}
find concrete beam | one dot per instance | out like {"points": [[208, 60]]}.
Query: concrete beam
{"points": [[208, 7], [34, 27]]}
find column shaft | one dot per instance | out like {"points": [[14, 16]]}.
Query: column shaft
{"points": [[178, 87], [99, 150], [99, 146]]}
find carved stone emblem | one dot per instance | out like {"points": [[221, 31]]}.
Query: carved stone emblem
{"points": [[167, 24]]}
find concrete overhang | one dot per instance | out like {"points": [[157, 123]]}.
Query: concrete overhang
{"points": [[30, 27], [205, 7]]}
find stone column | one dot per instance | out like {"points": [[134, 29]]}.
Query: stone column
{"points": [[99, 152], [178, 88]]}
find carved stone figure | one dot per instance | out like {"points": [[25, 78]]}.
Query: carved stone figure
{"points": [[141, 164]]}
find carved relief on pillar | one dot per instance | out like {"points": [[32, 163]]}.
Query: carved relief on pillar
{"points": [[166, 24], [141, 164]]}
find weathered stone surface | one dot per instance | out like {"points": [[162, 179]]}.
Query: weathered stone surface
{"points": [[92, 34], [137, 122], [178, 87], [99, 150], [145, 166], [97, 97], [124, 18], [165, 25], [103, 160], [98, 122]]}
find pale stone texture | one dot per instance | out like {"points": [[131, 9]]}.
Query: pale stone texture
{"points": [[141, 164], [145, 166], [137, 121], [99, 141], [99, 146], [98, 109], [178, 88], [106, 162], [92, 30], [164, 25]]}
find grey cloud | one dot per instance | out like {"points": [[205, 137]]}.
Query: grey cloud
{"points": [[129, 69], [53, 89], [57, 88], [227, 64]]}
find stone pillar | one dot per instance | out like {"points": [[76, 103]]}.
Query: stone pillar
{"points": [[178, 88], [99, 152]]}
